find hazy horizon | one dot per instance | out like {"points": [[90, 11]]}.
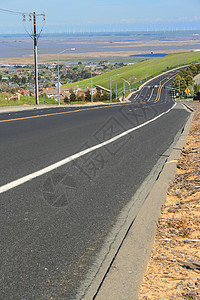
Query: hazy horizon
{"points": [[100, 16]]}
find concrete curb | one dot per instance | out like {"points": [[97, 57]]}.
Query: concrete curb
{"points": [[126, 272], [18, 108]]}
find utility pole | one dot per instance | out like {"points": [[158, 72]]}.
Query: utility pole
{"points": [[33, 36], [35, 59], [72, 49], [124, 91], [111, 86], [58, 80], [91, 88], [110, 90], [124, 88]]}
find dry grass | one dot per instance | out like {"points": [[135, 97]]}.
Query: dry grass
{"points": [[173, 271]]}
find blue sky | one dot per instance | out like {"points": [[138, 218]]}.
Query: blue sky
{"points": [[103, 15]]}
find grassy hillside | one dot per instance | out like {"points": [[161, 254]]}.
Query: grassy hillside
{"points": [[140, 71]]}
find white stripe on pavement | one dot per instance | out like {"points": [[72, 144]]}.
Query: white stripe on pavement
{"points": [[54, 166]]}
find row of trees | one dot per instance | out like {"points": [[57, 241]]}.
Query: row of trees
{"points": [[20, 80], [184, 80], [75, 75], [98, 96]]}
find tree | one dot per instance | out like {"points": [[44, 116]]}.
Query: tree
{"points": [[189, 79], [113, 95], [193, 68], [183, 84], [87, 96], [72, 97], [66, 99], [81, 97], [176, 84], [23, 80], [197, 96], [44, 95], [15, 79], [12, 90], [196, 92], [198, 68], [105, 96], [97, 96], [196, 88]]}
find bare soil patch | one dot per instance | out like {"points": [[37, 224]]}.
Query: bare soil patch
{"points": [[173, 271]]}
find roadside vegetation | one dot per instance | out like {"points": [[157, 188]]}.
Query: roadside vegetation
{"points": [[184, 82]]}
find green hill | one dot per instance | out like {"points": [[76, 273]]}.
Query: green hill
{"points": [[140, 71]]}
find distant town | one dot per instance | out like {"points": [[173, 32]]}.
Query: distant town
{"points": [[19, 79]]}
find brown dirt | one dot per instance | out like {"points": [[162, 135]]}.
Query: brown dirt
{"points": [[173, 271]]}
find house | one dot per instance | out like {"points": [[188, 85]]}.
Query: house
{"points": [[75, 89], [94, 90], [5, 78], [50, 92], [24, 92], [63, 95]]}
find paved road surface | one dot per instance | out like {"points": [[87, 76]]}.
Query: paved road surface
{"points": [[54, 227]]}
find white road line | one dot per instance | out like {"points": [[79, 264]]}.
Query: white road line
{"points": [[150, 95], [54, 166]]}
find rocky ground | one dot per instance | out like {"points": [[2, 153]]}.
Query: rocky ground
{"points": [[173, 271]]}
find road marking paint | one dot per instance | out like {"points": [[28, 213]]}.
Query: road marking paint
{"points": [[150, 95], [161, 86], [64, 112], [73, 157]]}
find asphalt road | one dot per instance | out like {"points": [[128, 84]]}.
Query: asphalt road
{"points": [[54, 226]]}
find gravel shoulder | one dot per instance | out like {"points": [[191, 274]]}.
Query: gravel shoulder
{"points": [[173, 271]]}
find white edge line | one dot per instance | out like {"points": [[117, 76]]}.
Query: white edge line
{"points": [[60, 163]]}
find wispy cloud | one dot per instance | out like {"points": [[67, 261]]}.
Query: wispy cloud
{"points": [[129, 21], [159, 20], [195, 18]]}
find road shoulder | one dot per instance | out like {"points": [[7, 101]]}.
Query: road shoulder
{"points": [[125, 275]]}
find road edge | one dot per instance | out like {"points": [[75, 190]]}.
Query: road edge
{"points": [[126, 273]]}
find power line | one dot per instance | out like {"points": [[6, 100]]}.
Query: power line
{"points": [[7, 11], [10, 12], [32, 17]]}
